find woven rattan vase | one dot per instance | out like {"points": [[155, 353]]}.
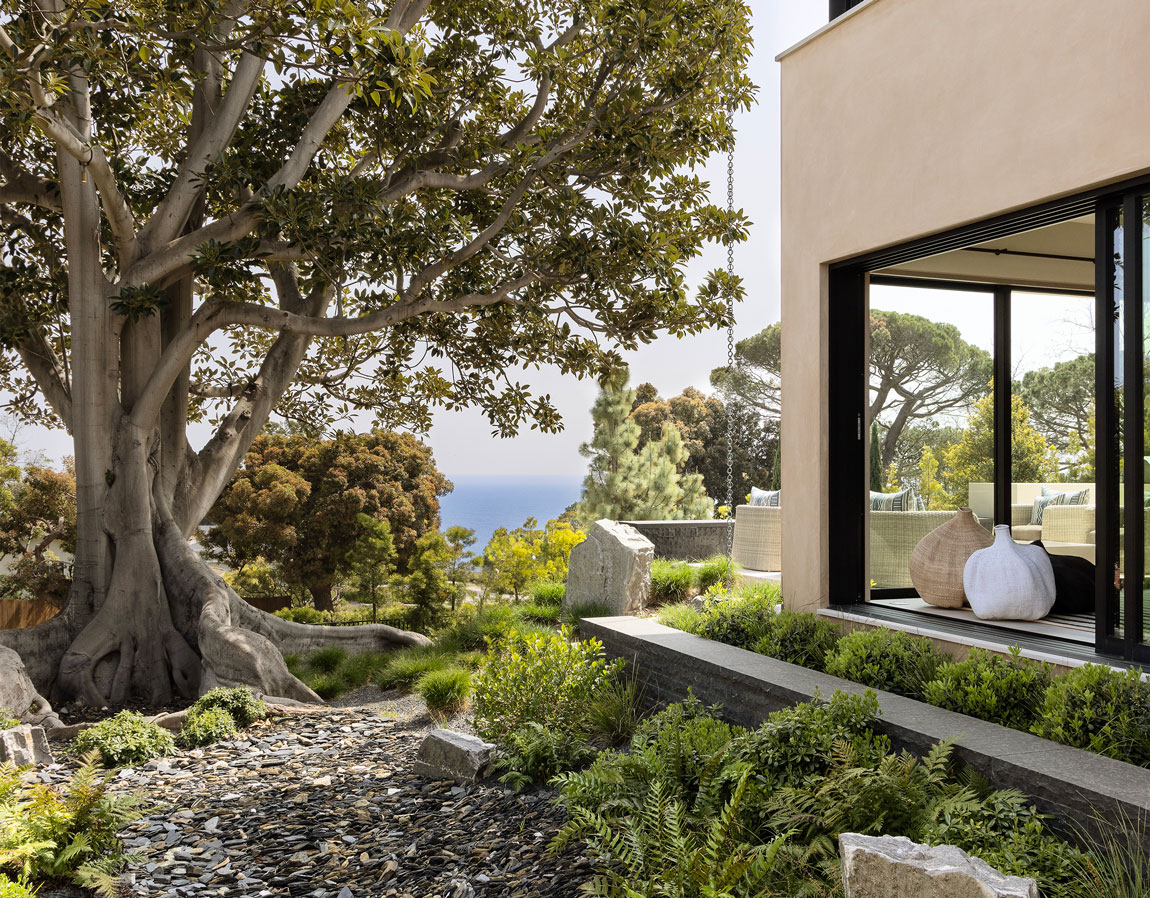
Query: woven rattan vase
{"points": [[937, 562]]}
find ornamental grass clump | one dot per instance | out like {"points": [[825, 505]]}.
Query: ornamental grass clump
{"points": [[682, 616], [671, 581], [207, 725], [718, 570], [548, 592], [1099, 709], [799, 638], [445, 691], [126, 739], [1003, 690], [890, 660]]}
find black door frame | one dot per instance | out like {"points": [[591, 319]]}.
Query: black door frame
{"points": [[848, 377]]}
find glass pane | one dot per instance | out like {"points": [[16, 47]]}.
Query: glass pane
{"points": [[931, 416], [1053, 428]]}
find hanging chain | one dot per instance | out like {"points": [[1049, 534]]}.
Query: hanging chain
{"points": [[730, 340]]}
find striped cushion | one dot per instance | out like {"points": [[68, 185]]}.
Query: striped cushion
{"points": [[902, 501], [770, 498], [1054, 497]]}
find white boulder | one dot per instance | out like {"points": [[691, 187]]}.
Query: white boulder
{"points": [[896, 867], [612, 567]]}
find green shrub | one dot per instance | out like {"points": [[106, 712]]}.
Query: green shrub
{"points": [[1099, 709], [546, 679], [471, 630], [406, 666], [11, 889], [294, 664], [240, 703], [718, 570], [613, 712], [886, 659], [327, 660], [799, 638], [534, 754], [682, 616], [204, 726], [798, 742], [548, 592], [740, 622], [1002, 690], [671, 581], [573, 614], [540, 614], [445, 691], [304, 614], [8, 719], [66, 832], [126, 739]]}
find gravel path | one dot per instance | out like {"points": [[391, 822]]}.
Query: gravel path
{"points": [[326, 806]]}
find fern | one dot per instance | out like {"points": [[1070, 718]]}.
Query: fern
{"points": [[67, 833], [660, 849]]}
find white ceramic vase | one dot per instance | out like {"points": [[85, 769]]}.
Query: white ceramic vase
{"points": [[1009, 581]]}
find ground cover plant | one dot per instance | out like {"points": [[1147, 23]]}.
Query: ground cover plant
{"points": [[1093, 707], [55, 835], [8, 719]]}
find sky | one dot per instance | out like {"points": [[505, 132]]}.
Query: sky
{"points": [[462, 441]]}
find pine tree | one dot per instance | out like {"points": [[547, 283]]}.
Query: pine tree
{"points": [[876, 477], [626, 483]]}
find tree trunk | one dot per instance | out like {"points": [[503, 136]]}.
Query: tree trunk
{"points": [[321, 595], [169, 624]]}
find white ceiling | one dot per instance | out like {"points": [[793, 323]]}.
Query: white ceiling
{"points": [[1059, 256]]}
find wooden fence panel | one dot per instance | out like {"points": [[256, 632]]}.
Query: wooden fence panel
{"points": [[15, 614]]}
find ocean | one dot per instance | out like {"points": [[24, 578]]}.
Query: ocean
{"points": [[483, 503]]}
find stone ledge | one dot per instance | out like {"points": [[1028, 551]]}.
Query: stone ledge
{"points": [[1072, 784], [686, 540]]}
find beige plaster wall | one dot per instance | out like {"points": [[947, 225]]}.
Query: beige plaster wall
{"points": [[915, 116]]}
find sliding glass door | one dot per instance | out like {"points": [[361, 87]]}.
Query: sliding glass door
{"points": [[1123, 348]]}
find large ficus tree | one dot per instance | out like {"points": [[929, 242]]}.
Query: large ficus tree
{"points": [[213, 211]]}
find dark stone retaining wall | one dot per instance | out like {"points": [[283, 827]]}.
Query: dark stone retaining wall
{"points": [[686, 540], [1074, 785]]}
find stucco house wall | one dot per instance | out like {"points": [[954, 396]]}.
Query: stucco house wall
{"points": [[908, 117]]}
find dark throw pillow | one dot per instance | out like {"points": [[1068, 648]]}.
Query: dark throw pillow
{"points": [[1073, 583]]}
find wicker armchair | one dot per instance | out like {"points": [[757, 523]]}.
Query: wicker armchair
{"points": [[758, 542], [1068, 524], [893, 536]]}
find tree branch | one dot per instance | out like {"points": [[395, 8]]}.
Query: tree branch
{"points": [[172, 213]]}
